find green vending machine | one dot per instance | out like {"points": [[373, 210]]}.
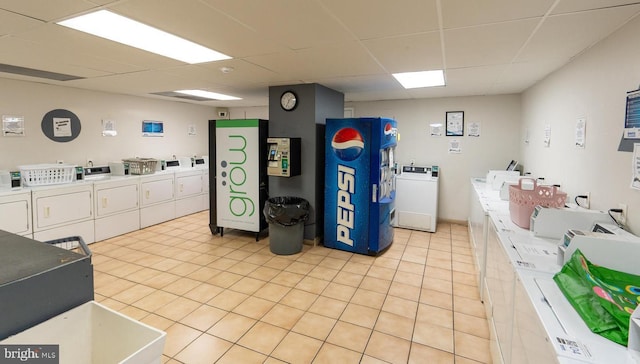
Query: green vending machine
{"points": [[238, 174]]}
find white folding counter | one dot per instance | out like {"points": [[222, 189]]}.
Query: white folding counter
{"points": [[530, 320]]}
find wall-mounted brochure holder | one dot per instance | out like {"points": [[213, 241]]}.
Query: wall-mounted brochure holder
{"points": [[631, 132], [632, 115]]}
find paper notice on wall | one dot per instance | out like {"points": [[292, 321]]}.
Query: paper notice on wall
{"points": [[61, 127], [436, 129], [191, 130], [581, 128], [109, 128], [473, 130], [454, 146], [12, 125], [547, 135], [635, 181]]}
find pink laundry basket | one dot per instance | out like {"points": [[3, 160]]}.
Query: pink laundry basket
{"points": [[523, 202]]}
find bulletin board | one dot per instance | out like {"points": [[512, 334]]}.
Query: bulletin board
{"points": [[61, 125]]}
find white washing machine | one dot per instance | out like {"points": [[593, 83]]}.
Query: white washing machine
{"points": [[417, 198]]}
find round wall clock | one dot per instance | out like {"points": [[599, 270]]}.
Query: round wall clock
{"points": [[288, 100]]}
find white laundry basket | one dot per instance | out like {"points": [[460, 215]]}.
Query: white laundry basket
{"points": [[93, 333], [46, 174]]}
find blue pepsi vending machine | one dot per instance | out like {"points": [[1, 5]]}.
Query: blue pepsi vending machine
{"points": [[359, 184]]}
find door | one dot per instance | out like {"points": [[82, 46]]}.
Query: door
{"points": [[157, 191], [116, 199], [188, 185], [62, 208], [16, 214]]}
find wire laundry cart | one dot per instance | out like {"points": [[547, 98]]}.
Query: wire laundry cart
{"points": [[73, 243]]}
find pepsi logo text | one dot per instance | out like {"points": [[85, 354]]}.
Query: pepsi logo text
{"points": [[345, 209]]}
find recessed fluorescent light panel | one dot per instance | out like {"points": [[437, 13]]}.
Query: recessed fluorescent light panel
{"points": [[208, 95], [420, 79], [106, 24], [31, 72]]}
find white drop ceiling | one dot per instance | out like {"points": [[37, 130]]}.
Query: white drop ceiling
{"points": [[485, 47]]}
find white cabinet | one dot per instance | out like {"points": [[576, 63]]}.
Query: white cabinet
{"points": [[189, 192], [478, 224], [62, 211], [483, 200], [530, 343], [157, 198], [530, 319], [499, 280], [117, 206], [15, 209]]}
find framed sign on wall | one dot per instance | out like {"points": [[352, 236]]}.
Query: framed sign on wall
{"points": [[455, 123]]}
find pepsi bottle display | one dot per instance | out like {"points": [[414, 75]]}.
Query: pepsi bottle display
{"points": [[359, 184]]}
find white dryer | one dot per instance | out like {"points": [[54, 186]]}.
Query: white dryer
{"points": [[416, 204]]}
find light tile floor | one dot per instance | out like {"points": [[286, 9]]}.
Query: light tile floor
{"points": [[230, 300]]}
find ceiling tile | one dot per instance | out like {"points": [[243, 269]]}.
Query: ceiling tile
{"points": [[408, 53], [295, 24], [202, 24], [244, 73], [568, 6], [47, 10], [18, 52], [484, 75], [104, 2], [352, 46], [367, 88], [448, 91], [465, 13], [486, 45], [135, 83], [335, 60], [564, 36], [95, 52], [369, 19], [13, 23], [522, 75], [358, 84], [378, 95], [464, 82]]}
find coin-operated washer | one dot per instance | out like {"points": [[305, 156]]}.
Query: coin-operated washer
{"points": [[417, 198], [283, 157]]}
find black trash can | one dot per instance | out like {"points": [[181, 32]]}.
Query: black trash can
{"points": [[286, 217]]}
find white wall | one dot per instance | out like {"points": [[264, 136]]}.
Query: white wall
{"points": [[594, 86], [498, 144], [258, 112], [33, 100], [499, 117]]}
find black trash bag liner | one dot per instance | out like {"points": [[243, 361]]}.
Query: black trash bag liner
{"points": [[286, 210]]}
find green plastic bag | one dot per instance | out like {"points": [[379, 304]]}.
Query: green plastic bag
{"points": [[604, 298]]}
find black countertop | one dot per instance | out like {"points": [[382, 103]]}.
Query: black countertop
{"points": [[22, 257]]}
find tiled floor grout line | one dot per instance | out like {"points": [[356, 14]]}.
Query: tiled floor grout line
{"points": [[154, 235], [415, 318]]}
